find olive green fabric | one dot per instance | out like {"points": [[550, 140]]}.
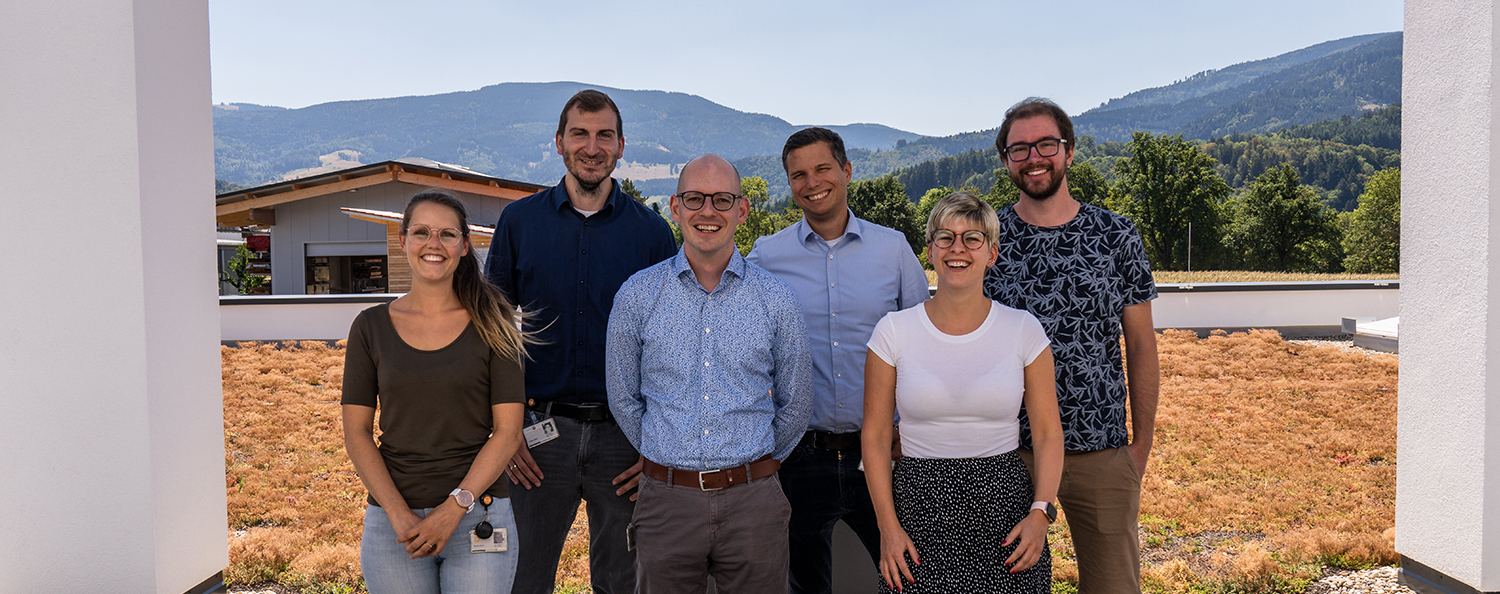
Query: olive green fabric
{"points": [[434, 405]]}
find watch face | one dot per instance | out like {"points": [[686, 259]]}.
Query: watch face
{"points": [[464, 498]]}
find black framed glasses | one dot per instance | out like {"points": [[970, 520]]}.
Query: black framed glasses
{"points": [[694, 200], [973, 240], [447, 236], [1046, 147]]}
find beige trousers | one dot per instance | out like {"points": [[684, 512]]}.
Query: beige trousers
{"points": [[1100, 495]]}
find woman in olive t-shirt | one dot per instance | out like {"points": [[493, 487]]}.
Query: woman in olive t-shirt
{"points": [[443, 364]]}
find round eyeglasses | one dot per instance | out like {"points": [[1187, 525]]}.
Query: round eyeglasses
{"points": [[694, 200], [1046, 147], [944, 239], [447, 236]]}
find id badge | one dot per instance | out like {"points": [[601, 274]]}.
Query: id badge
{"points": [[539, 433], [496, 543]]}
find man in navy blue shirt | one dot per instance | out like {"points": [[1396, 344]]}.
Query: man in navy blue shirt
{"points": [[560, 255]]}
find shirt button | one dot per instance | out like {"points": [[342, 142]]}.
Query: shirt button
{"points": [[705, 398], [838, 375], [833, 315], [580, 343], [585, 251], [705, 330], [835, 343], [841, 405], [580, 281], [580, 312], [830, 256], [705, 432], [705, 363]]}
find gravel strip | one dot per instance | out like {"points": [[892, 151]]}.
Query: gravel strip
{"points": [[1343, 342], [1381, 580]]}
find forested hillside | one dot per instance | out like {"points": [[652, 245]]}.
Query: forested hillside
{"points": [[504, 130], [1348, 82], [1336, 156]]}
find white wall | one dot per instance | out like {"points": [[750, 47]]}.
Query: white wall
{"points": [[112, 424], [292, 317], [1272, 305], [1448, 431], [1248, 305]]}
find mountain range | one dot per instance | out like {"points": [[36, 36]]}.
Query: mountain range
{"points": [[506, 130]]}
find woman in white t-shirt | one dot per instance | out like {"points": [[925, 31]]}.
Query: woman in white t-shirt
{"points": [[960, 513]]}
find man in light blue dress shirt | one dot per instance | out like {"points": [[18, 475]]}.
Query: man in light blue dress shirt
{"points": [[847, 274], [709, 377]]}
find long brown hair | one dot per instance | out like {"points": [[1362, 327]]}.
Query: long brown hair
{"points": [[496, 319]]}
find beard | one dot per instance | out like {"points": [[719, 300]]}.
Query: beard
{"points": [[570, 161], [1039, 189]]}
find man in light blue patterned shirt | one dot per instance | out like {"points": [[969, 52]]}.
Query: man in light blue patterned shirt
{"points": [[709, 377], [847, 274]]}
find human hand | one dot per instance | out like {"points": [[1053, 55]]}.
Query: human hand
{"points": [[430, 535], [523, 469], [895, 545], [1140, 452], [1032, 532], [630, 479]]}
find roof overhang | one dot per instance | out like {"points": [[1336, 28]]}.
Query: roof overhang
{"points": [[251, 206]]}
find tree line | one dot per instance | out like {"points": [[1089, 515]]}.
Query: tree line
{"points": [[1187, 213]]}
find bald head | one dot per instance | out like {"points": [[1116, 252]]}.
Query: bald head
{"points": [[709, 174]]}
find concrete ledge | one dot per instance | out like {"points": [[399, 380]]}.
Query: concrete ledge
{"points": [[1426, 580], [214, 583]]}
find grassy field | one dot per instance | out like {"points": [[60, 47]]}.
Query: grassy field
{"points": [[1241, 276], [1272, 460]]}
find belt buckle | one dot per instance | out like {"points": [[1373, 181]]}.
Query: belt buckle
{"points": [[700, 480]]}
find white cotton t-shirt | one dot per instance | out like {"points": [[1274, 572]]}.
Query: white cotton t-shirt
{"points": [[959, 396]]}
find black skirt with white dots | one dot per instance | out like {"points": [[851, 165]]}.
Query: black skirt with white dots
{"points": [[957, 511]]}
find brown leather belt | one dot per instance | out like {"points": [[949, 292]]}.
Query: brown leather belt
{"points": [[823, 440], [713, 480]]}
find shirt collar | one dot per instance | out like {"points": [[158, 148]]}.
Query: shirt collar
{"points": [[854, 228], [680, 265], [561, 200]]}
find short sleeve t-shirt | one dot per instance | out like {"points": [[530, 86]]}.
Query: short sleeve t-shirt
{"points": [[435, 410], [1077, 279], [959, 396]]}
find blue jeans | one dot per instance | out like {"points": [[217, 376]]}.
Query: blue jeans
{"points": [[823, 488], [579, 464], [388, 568]]}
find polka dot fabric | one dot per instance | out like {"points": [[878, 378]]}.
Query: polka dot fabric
{"points": [[957, 511]]}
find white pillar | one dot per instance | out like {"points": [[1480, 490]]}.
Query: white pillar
{"points": [[111, 415], [1448, 430]]}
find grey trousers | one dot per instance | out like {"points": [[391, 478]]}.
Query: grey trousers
{"points": [[738, 535]]}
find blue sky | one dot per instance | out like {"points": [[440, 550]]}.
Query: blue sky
{"points": [[934, 68]]}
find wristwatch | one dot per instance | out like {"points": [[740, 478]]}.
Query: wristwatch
{"points": [[1047, 508], [463, 498]]}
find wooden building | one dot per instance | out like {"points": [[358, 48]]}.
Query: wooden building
{"points": [[317, 247]]}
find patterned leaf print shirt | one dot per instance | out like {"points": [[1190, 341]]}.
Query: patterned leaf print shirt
{"points": [[1077, 279]]}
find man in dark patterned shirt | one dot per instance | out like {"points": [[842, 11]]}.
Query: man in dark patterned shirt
{"points": [[1082, 271]]}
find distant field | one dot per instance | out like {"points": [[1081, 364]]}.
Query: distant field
{"points": [[1272, 460], [1241, 276]]}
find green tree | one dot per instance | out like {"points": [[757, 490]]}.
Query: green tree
{"points": [[1087, 185], [883, 201], [1373, 241], [1004, 193], [1283, 226], [628, 187], [761, 220], [1166, 184], [236, 274]]}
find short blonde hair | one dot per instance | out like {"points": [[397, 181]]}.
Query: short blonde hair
{"points": [[968, 207]]}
